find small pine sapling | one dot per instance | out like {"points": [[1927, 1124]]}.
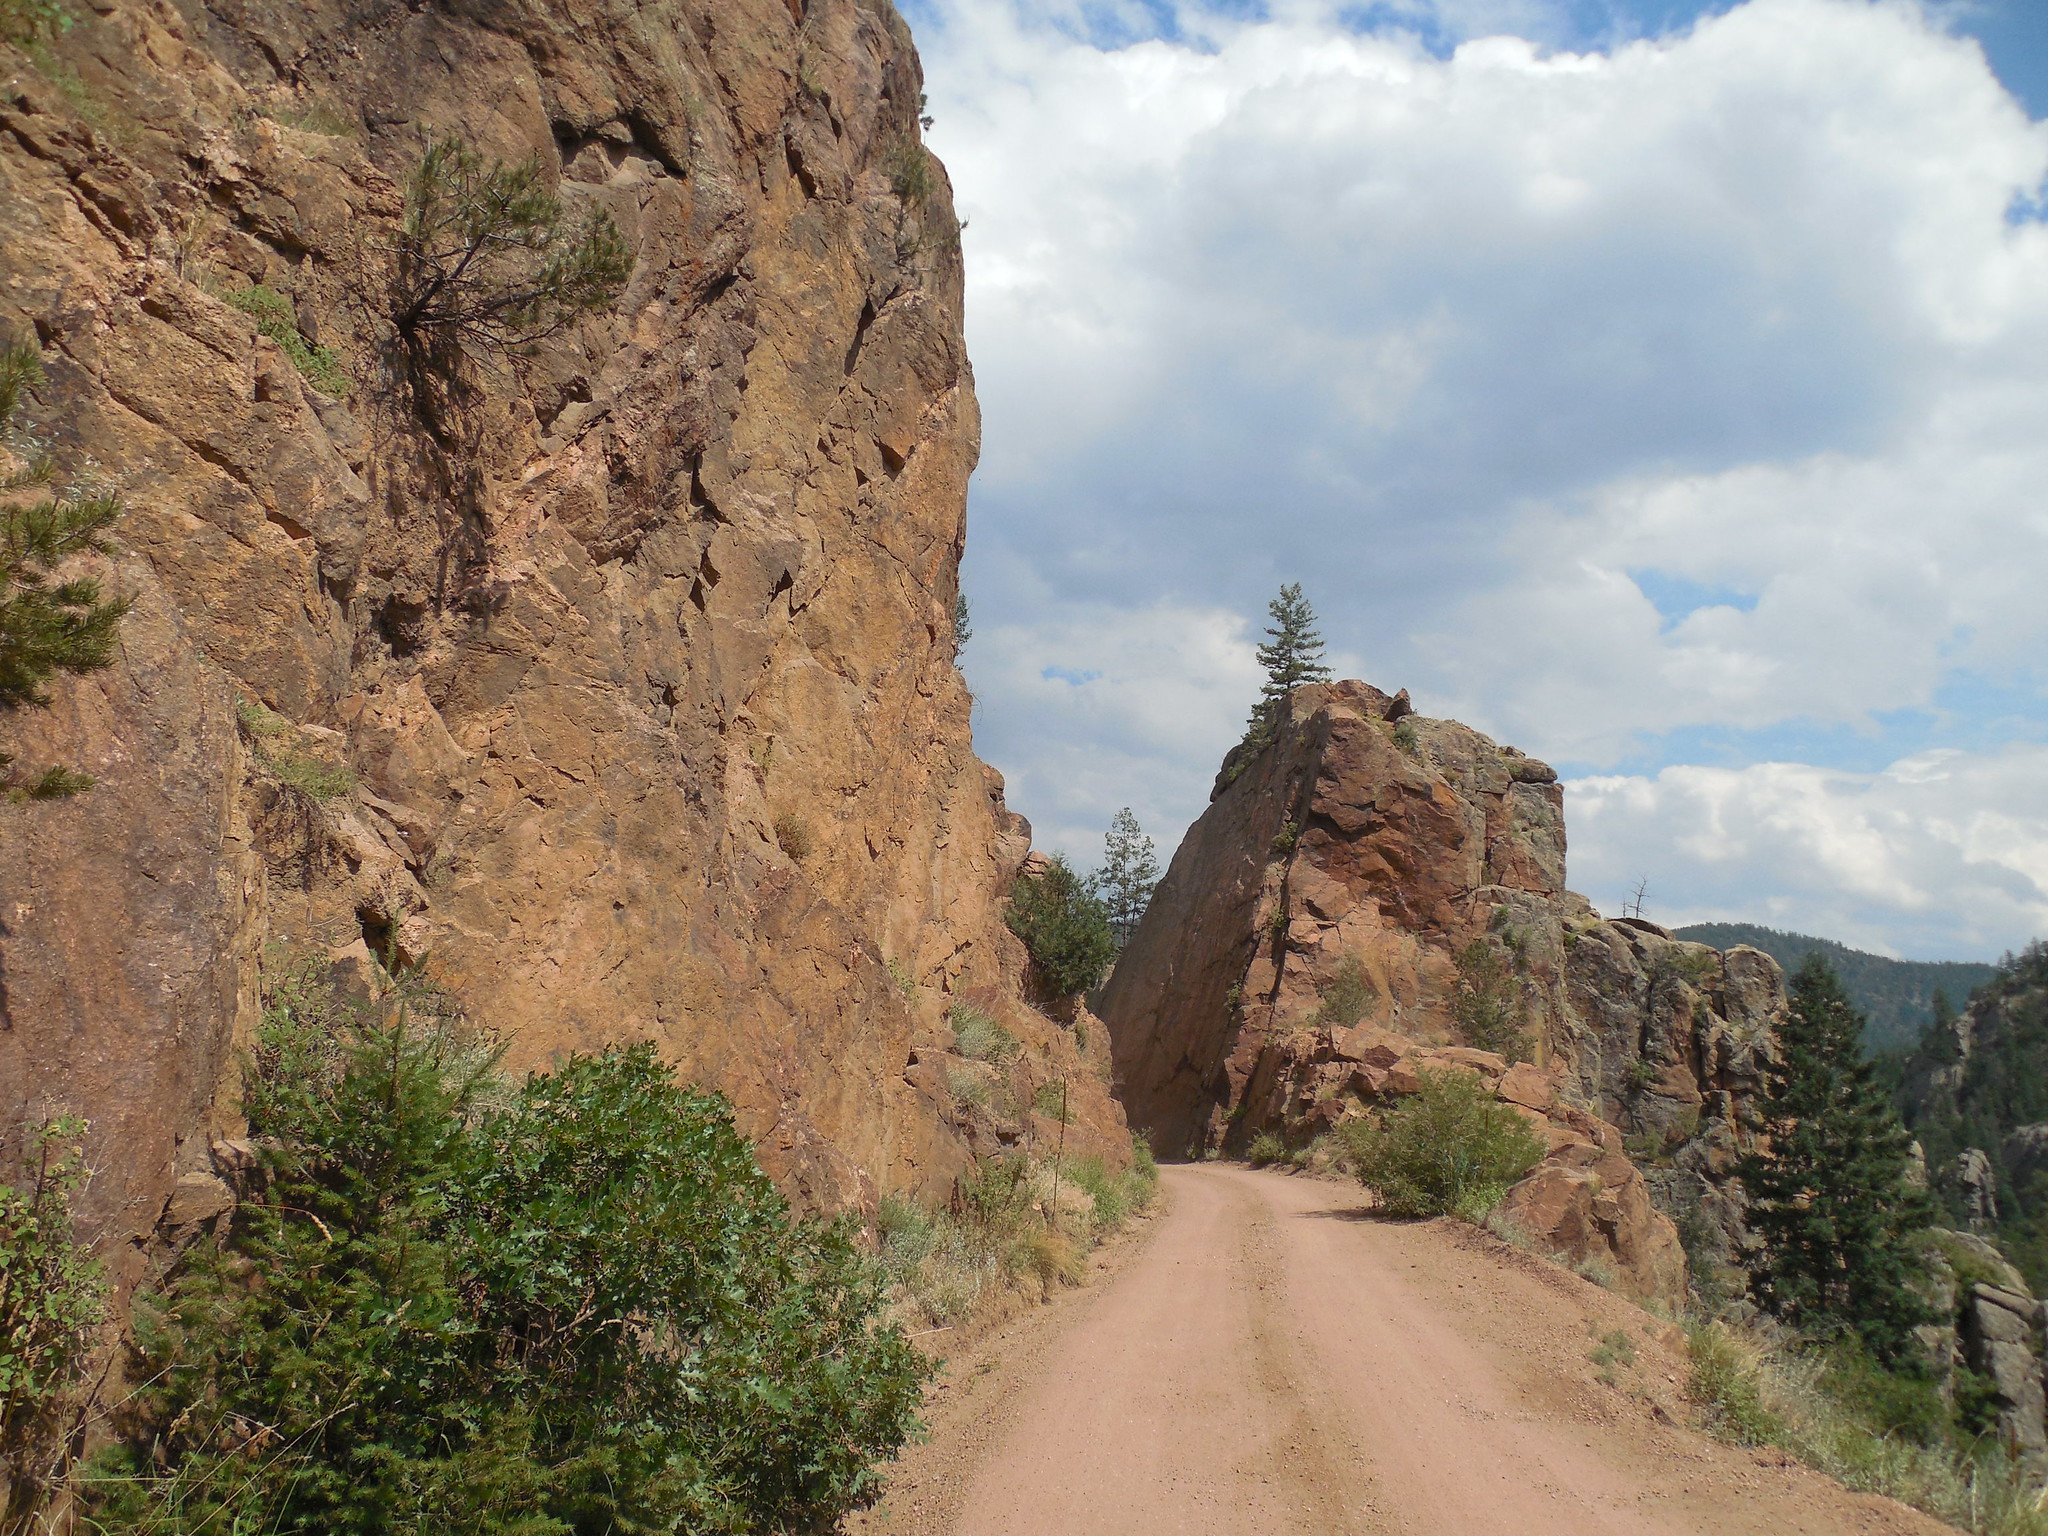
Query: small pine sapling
{"points": [[47, 625], [488, 255]]}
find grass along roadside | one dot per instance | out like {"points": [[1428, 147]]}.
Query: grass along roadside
{"points": [[1755, 1388], [1013, 1229]]}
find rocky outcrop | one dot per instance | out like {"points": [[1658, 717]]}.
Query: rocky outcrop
{"points": [[1995, 1328], [1412, 872], [614, 686]]}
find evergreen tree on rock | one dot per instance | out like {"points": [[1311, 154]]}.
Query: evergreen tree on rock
{"points": [[1831, 1201], [1065, 927], [1293, 654], [1130, 870], [46, 625]]}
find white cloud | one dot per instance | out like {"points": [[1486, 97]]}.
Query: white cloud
{"points": [[1086, 709], [1941, 853], [1491, 351]]}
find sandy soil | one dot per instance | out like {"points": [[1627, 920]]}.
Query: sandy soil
{"points": [[1267, 1359]]}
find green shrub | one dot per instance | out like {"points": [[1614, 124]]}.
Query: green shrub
{"points": [[1051, 1100], [1065, 927], [311, 777], [1615, 1352], [1115, 1195], [1878, 1431], [1406, 739], [1143, 1164], [910, 174], [1265, 1148], [486, 253], [25, 21], [570, 1305], [1348, 995], [969, 1088], [275, 318], [1726, 1382], [979, 1037], [1488, 1004], [1009, 1225], [1451, 1149], [52, 1298]]}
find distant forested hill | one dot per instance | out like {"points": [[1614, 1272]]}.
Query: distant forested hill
{"points": [[1897, 994]]}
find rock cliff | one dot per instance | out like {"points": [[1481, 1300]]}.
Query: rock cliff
{"points": [[620, 695], [1410, 873]]}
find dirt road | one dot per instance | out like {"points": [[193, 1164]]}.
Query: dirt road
{"points": [[1272, 1361]]}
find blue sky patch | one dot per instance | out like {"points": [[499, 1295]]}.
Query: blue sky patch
{"points": [[1677, 598]]}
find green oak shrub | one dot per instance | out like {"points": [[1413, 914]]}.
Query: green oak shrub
{"points": [[1450, 1150], [459, 1303]]}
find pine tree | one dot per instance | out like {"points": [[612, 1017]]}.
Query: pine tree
{"points": [[1065, 928], [1294, 653], [1831, 1202], [1130, 870], [47, 626]]}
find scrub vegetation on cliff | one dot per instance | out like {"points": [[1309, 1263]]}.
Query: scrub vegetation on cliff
{"points": [[459, 1302], [48, 623], [52, 1295], [1017, 1224]]}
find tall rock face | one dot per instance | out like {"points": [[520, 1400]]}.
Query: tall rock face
{"points": [[1411, 872], [617, 687]]}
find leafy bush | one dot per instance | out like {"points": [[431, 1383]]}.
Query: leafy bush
{"points": [[1406, 739], [1451, 1149], [1488, 1005], [1265, 1148], [1065, 928], [52, 1298], [275, 318], [572, 1305], [979, 1037], [271, 736], [486, 253], [1348, 995]]}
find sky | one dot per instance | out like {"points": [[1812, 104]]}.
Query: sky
{"points": [[1659, 387]]}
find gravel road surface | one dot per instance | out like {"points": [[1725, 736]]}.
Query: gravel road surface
{"points": [[1268, 1359]]}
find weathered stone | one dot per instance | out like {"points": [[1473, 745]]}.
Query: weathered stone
{"points": [[1352, 846], [641, 658]]}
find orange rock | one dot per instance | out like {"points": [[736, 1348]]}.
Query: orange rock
{"points": [[1524, 1084]]}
